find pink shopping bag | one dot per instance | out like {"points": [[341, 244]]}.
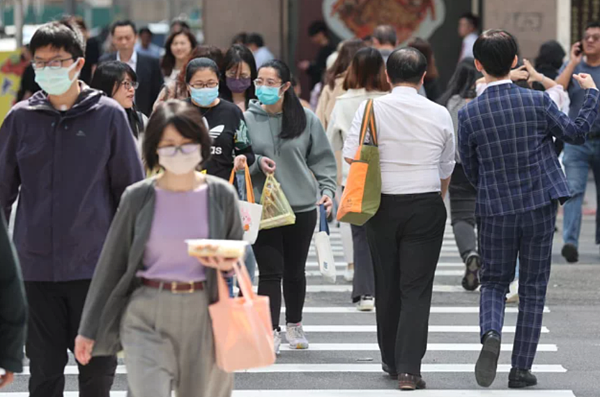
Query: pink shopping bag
{"points": [[242, 326]]}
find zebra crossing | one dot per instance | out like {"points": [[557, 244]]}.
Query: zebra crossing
{"points": [[344, 361]]}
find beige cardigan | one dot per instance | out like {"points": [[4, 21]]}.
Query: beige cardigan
{"points": [[328, 98]]}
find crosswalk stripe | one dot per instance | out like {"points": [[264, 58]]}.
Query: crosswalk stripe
{"points": [[289, 368], [360, 393], [438, 273], [340, 251], [342, 265], [348, 288], [432, 328], [427, 368], [434, 310], [446, 347]]}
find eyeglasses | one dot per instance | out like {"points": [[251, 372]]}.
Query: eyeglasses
{"points": [[170, 151], [130, 84], [210, 84], [268, 83], [593, 37], [53, 64]]}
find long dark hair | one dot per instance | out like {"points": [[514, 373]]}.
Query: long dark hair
{"points": [[234, 58], [167, 64], [347, 52], [426, 49], [110, 75], [462, 81], [367, 70], [294, 118]]}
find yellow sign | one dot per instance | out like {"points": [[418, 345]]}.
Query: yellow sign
{"points": [[11, 70]]}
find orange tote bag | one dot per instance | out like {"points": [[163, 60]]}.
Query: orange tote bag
{"points": [[362, 194], [242, 327]]}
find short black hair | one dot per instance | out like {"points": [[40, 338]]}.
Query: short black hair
{"points": [[256, 39], [186, 119], [406, 65], [197, 64], [496, 50], [60, 35], [592, 25], [123, 23], [182, 24], [110, 74], [385, 34], [146, 30], [472, 18], [317, 27], [240, 38]]}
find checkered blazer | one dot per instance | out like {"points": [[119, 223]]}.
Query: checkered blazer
{"points": [[505, 143]]}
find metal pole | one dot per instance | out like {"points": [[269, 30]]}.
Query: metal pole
{"points": [[18, 14], [70, 7]]}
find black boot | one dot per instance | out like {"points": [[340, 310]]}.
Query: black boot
{"points": [[520, 378], [487, 364]]}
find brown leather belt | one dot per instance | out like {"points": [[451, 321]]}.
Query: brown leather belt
{"points": [[173, 286]]}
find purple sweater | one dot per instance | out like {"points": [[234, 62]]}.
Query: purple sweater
{"points": [[178, 216]]}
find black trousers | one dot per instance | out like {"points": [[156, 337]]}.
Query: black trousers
{"points": [[281, 253], [55, 310], [405, 237]]}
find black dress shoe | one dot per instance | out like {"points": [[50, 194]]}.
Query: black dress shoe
{"points": [[520, 378], [410, 382], [487, 364], [569, 251], [391, 372]]}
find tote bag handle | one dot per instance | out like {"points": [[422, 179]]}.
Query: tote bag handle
{"points": [[368, 125], [249, 187]]}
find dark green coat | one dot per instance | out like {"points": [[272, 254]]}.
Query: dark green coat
{"points": [[13, 306]]}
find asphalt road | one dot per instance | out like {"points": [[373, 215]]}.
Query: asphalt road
{"points": [[344, 361]]}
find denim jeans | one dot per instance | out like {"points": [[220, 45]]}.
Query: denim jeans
{"points": [[250, 263], [578, 160]]}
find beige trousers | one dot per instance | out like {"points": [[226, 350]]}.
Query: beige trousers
{"points": [[169, 346]]}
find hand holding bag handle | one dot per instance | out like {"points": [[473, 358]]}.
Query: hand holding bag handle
{"points": [[323, 225], [249, 187]]}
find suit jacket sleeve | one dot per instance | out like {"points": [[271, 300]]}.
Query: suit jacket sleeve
{"points": [[157, 80], [562, 127], [13, 306], [467, 148]]}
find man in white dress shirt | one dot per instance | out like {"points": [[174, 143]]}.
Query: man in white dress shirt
{"points": [[416, 145], [468, 30]]}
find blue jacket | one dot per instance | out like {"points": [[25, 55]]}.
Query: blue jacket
{"points": [[506, 147], [71, 168]]}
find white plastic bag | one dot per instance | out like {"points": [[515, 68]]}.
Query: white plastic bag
{"points": [[324, 251]]}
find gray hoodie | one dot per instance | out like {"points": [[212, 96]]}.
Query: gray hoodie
{"points": [[306, 167]]}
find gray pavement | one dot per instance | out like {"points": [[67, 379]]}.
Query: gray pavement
{"points": [[342, 363]]}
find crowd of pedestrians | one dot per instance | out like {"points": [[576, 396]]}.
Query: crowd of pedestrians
{"points": [[114, 162]]}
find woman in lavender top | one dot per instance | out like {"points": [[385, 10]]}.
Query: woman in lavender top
{"points": [[147, 294]]}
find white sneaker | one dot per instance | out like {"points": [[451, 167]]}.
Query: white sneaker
{"points": [[276, 340], [349, 274], [296, 337], [365, 304], [513, 292]]}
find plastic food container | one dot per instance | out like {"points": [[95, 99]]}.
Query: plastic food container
{"points": [[230, 249]]}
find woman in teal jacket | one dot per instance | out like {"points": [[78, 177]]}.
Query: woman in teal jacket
{"points": [[285, 134]]}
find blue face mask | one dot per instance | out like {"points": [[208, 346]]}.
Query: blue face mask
{"points": [[268, 95], [204, 96], [55, 81]]}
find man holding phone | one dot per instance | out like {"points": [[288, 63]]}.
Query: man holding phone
{"points": [[585, 58]]}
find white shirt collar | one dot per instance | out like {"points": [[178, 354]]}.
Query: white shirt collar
{"points": [[132, 61], [500, 82], [404, 89]]}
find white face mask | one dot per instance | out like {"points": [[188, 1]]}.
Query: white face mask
{"points": [[180, 160], [56, 81]]}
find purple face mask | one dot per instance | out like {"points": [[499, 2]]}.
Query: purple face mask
{"points": [[238, 85]]}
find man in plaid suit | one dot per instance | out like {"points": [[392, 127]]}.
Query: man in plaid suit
{"points": [[505, 143]]}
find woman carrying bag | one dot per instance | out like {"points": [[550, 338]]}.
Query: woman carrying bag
{"points": [[286, 134], [364, 80], [148, 294]]}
